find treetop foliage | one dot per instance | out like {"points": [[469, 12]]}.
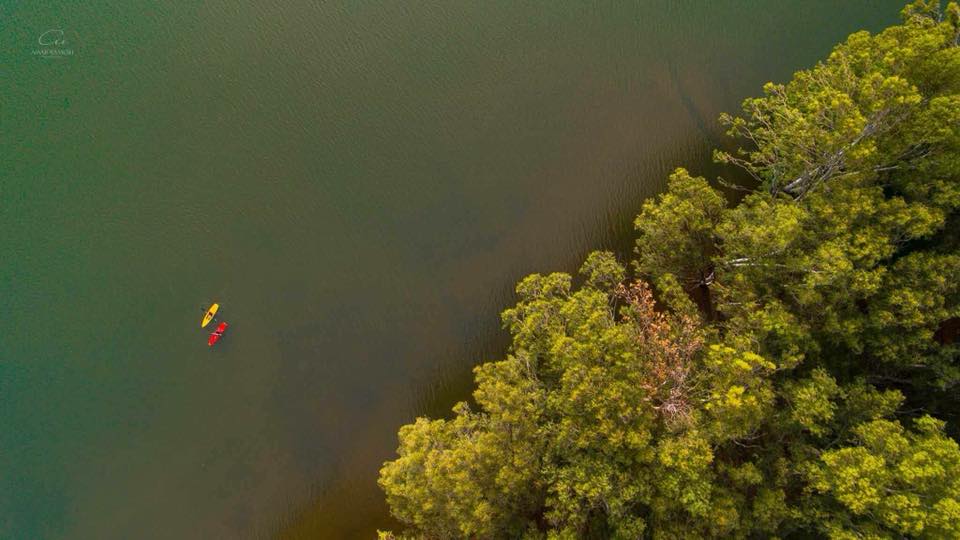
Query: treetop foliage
{"points": [[771, 368]]}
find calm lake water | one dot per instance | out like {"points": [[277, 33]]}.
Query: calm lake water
{"points": [[358, 184]]}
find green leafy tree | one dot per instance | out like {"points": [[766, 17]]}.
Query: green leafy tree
{"points": [[892, 482], [684, 218], [476, 474], [860, 158], [758, 390]]}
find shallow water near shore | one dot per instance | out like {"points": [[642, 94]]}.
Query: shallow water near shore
{"points": [[359, 185]]}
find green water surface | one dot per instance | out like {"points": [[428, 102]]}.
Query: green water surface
{"points": [[359, 184]]}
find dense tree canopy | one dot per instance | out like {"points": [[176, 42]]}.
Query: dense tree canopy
{"points": [[773, 368]]}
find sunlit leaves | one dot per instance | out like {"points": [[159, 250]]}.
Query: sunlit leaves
{"points": [[895, 480], [759, 389], [676, 231], [847, 115]]}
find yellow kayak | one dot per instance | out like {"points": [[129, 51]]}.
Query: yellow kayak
{"points": [[209, 315]]}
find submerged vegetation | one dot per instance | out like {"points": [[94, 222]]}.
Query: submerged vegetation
{"points": [[783, 366]]}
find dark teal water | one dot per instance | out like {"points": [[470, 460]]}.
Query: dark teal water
{"points": [[358, 184]]}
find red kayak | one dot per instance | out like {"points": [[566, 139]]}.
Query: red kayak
{"points": [[216, 334]]}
